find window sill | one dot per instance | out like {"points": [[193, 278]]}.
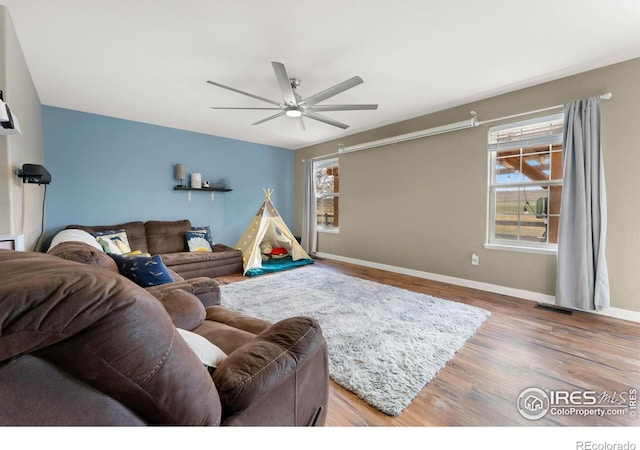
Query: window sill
{"points": [[522, 248], [328, 230]]}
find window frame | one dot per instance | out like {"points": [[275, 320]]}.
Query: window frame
{"points": [[494, 186], [319, 165]]}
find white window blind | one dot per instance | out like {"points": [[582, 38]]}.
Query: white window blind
{"points": [[529, 133]]}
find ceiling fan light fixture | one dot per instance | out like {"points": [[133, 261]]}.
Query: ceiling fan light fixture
{"points": [[293, 113], [295, 106]]}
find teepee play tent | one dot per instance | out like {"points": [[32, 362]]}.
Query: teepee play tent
{"points": [[267, 245]]}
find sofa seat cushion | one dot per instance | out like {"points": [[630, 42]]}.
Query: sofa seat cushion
{"points": [[180, 258], [228, 338], [223, 260]]}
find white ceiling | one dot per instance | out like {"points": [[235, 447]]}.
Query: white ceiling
{"points": [[149, 60]]}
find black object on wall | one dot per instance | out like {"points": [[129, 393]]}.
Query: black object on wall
{"points": [[34, 173]]}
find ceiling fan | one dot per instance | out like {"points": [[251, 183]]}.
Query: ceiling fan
{"points": [[295, 106]]}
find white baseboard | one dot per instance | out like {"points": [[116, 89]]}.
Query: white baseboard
{"points": [[617, 313]]}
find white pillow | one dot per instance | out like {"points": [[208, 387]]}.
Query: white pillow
{"points": [[74, 235], [208, 353]]}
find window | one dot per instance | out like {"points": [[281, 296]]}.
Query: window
{"points": [[327, 181], [526, 183]]}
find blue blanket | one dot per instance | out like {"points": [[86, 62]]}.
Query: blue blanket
{"points": [[277, 265]]}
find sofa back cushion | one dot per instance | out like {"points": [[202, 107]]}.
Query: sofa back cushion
{"points": [[85, 254], [136, 233], [167, 236]]}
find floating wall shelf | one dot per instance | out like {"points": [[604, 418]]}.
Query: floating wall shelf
{"points": [[206, 189], [209, 189]]}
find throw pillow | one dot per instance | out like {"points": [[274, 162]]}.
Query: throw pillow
{"points": [[108, 246], [143, 270], [196, 242], [279, 253], [113, 241], [206, 231], [208, 353], [137, 253]]}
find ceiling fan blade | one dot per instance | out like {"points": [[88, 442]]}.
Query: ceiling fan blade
{"points": [[334, 90], [319, 118], [343, 107], [284, 83], [281, 113], [244, 93], [239, 107]]}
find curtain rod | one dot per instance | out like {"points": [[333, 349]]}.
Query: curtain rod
{"points": [[474, 123], [605, 96]]}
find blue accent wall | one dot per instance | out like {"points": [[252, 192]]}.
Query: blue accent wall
{"points": [[107, 171]]}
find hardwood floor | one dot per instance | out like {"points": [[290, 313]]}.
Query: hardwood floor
{"points": [[518, 347]]}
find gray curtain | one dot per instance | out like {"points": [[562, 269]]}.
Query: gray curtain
{"points": [[582, 278], [309, 234]]}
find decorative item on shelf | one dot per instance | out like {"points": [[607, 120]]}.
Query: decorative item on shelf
{"points": [[196, 181], [197, 184], [220, 184], [180, 174]]}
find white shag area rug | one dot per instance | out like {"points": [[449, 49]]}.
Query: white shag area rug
{"points": [[385, 343]]}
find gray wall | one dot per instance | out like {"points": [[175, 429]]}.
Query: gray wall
{"points": [[423, 204], [20, 205]]}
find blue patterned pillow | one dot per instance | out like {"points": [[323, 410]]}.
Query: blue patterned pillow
{"points": [[143, 270]]}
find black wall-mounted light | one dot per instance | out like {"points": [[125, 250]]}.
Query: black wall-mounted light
{"points": [[34, 173]]}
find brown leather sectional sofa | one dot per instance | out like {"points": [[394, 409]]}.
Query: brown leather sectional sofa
{"points": [[167, 238], [207, 290], [81, 345]]}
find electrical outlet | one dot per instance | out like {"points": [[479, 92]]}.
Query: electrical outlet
{"points": [[475, 259]]}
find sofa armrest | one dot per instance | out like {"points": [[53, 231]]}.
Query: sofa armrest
{"points": [[222, 314], [266, 364], [185, 310], [206, 289]]}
